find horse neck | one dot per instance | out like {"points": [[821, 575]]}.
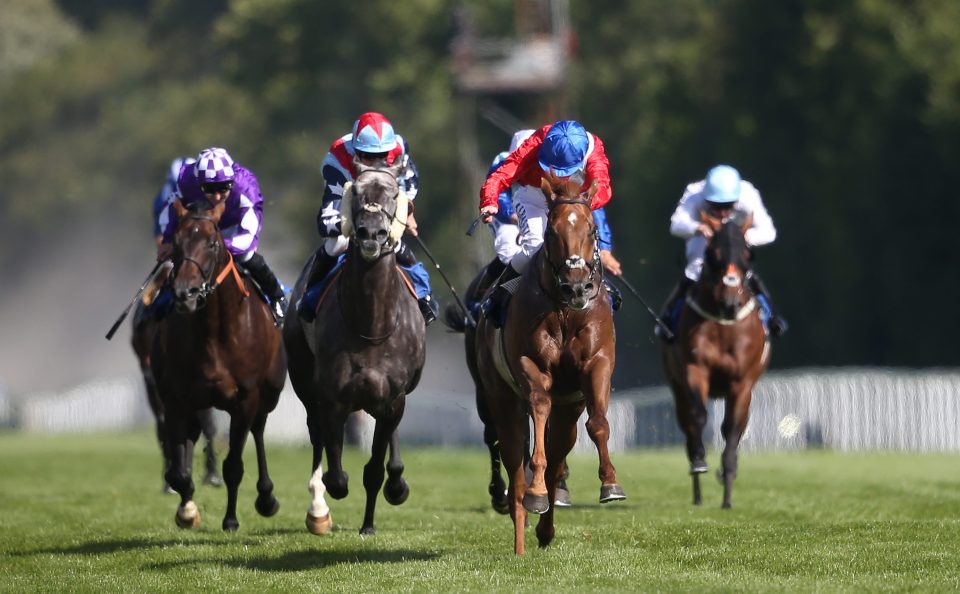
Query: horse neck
{"points": [[369, 293], [225, 304]]}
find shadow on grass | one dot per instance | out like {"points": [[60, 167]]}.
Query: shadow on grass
{"points": [[304, 560]]}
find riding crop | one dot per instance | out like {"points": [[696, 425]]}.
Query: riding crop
{"points": [[663, 327], [126, 310], [463, 307]]}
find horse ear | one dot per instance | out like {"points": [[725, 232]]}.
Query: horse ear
{"points": [[747, 223], [593, 190], [546, 188], [179, 208], [711, 221]]}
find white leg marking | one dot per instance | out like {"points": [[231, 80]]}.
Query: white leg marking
{"points": [[318, 505]]}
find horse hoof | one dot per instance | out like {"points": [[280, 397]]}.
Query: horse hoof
{"points": [[367, 531], [396, 496], [230, 525], [698, 467], [612, 492], [267, 506], [213, 479], [187, 516], [500, 503], [536, 504], [562, 498], [319, 526], [726, 505]]}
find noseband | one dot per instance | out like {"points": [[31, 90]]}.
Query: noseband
{"points": [[209, 284], [574, 262]]}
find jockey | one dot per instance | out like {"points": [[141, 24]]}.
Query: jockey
{"points": [[721, 194], [167, 193], [567, 149], [215, 177], [371, 142]]}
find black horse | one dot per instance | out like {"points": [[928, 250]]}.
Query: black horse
{"points": [[364, 351]]}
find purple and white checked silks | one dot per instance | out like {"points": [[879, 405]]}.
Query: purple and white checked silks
{"points": [[214, 165]]}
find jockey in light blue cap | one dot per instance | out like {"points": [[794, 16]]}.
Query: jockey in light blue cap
{"points": [[721, 193]]}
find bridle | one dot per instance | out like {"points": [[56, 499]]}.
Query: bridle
{"points": [[574, 262], [210, 284], [387, 245]]}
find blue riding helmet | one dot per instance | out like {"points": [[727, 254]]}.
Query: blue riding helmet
{"points": [[564, 148], [722, 185]]}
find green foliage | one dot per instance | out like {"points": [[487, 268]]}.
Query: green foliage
{"points": [[842, 114], [85, 514]]}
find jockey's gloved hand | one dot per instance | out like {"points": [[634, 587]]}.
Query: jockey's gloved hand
{"points": [[487, 212]]}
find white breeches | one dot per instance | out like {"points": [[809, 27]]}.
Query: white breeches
{"points": [[696, 246], [505, 240], [531, 207]]}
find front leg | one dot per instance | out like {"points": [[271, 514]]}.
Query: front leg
{"points": [[596, 389], [538, 385]]}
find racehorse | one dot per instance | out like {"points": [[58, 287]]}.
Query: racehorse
{"points": [[553, 358], [365, 349], [144, 331], [219, 348], [720, 350]]}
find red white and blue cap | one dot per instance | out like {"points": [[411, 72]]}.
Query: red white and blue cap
{"points": [[722, 185], [373, 133], [564, 148], [214, 165]]}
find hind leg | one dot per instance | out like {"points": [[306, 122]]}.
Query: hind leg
{"points": [[497, 487], [208, 426], [690, 401], [396, 490], [240, 424], [735, 418], [335, 478]]}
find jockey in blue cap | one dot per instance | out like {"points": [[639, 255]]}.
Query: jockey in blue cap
{"points": [[372, 141], [721, 194], [566, 149], [214, 178]]}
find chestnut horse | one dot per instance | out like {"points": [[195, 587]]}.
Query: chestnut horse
{"points": [[553, 358], [720, 350], [364, 351], [144, 331], [219, 348]]}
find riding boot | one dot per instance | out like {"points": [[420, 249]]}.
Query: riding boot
{"points": [[667, 313], [323, 263], [494, 307], [777, 323], [453, 316], [261, 273], [429, 308]]}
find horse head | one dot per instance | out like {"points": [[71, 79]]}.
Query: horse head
{"points": [[726, 262], [570, 241], [375, 210], [198, 254]]}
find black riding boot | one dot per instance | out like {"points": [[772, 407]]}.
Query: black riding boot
{"points": [[323, 263], [778, 324], [261, 273], [494, 307], [666, 314], [427, 304], [616, 298]]}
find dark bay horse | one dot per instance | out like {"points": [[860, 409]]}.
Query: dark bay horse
{"points": [[144, 332], [554, 357], [720, 351], [364, 351], [219, 348]]}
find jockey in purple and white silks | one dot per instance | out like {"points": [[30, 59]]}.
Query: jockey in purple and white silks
{"points": [[371, 141], [214, 178], [722, 194]]}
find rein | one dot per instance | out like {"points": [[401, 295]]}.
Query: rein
{"points": [[742, 313], [376, 207], [207, 287]]}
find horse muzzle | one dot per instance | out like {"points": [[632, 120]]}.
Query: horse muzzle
{"points": [[577, 296], [189, 300], [371, 242]]}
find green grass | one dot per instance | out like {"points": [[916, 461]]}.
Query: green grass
{"points": [[85, 514]]}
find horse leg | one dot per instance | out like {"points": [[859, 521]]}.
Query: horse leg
{"points": [[373, 470], [562, 497], [396, 490], [179, 475], [209, 427], [735, 417], [536, 499], [690, 401], [233, 464], [318, 514], [513, 430], [335, 479], [597, 401], [266, 504], [563, 434], [497, 488]]}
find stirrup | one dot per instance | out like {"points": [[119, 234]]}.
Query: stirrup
{"points": [[429, 308], [278, 307]]}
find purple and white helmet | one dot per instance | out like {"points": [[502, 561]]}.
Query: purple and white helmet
{"points": [[214, 165]]}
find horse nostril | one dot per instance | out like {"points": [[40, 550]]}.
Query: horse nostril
{"points": [[566, 290], [588, 288], [382, 235]]}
